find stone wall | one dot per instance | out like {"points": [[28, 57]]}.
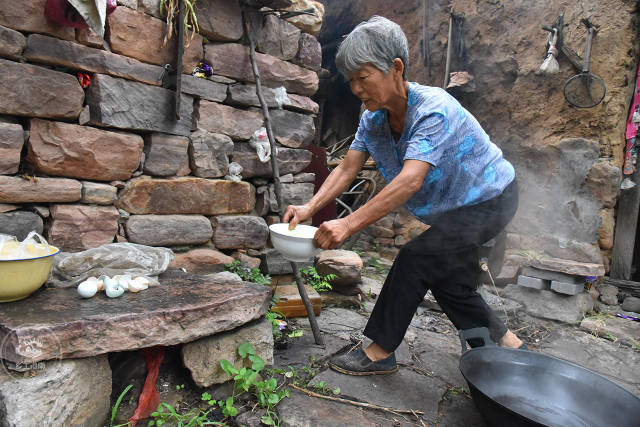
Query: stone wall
{"points": [[567, 159], [111, 163]]}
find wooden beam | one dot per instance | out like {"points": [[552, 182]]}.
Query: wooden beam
{"points": [[626, 226]]}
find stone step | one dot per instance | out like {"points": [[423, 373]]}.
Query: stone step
{"points": [[183, 308]]}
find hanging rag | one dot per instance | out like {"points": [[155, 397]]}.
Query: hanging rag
{"points": [[149, 398], [550, 63], [631, 149], [80, 13]]}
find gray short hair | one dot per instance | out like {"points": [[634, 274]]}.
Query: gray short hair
{"points": [[378, 42]]}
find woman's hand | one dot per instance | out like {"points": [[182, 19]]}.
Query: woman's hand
{"points": [[332, 233], [295, 214]]}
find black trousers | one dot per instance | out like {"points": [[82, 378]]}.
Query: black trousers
{"points": [[445, 259]]}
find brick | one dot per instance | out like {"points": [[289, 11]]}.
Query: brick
{"points": [[567, 288], [533, 282]]}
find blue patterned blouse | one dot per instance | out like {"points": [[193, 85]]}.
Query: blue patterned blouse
{"points": [[466, 167]]}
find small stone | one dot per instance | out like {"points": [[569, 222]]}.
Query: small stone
{"points": [[236, 123], [304, 177], [204, 88], [15, 189], [289, 161], [12, 43], [79, 227], [533, 282], [99, 194], [11, 142], [274, 264], [6, 207], [88, 37], [49, 50], [28, 16], [150, 7], [138, 35], [607, 229], [604, 181], [246, 260], [507, 275], [567, 288], [346, 265], [65, 149], [631, 304], [28, 90], [244, 94], [20, 224], [186, 195], [110, 100], [239, 231], [166, 155], [202, 358], [168, 230], [220, 20], [201, 261], [291, 129], [232, 60], [209, 154], [278, 38], [286, 179], [309, 52], [78, 393], [302, 104], [608, 294], [308, 23], [550, 305]]}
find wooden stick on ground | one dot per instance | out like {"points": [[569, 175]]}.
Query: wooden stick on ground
{"points": [[354, 403], [276, 173]]}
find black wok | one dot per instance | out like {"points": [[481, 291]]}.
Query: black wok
{"points": [[523, 388]]}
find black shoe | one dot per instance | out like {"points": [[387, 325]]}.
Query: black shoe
{"points": [[357, 363]]}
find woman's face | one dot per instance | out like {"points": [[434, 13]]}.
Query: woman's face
{"points": [[372, 86]]}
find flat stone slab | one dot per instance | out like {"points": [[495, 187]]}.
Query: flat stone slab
{"points": [[573, 268], [550, 305], [613, 328], [403, 390], [301, 410], [183, 308]]}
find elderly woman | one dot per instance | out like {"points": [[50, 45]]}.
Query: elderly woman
{"points": [[437, 161]]}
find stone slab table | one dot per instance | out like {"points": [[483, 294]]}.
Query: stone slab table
{"points": [[59, 324]]}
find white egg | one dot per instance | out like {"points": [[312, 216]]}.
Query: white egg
{"points": [[88, 288]]}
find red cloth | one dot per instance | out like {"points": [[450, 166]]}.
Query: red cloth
{"points": [[632, 128], [63, 13], [149, 399]]}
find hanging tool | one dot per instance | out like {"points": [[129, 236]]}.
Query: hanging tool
{"points": [[449, 50], [248, 13], [585, 90]]}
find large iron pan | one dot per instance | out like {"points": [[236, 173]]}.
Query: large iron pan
{"points": [[523, 388]]}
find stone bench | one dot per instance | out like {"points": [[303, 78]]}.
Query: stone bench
{"points": [[54, 343]]}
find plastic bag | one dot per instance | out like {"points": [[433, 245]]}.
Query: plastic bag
{"points": [[111, 259], [550, 63], [260, 141], [33, 246], [234, 174], [281, 97]]}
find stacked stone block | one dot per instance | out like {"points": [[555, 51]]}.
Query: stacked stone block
{"points": [[112, 163]]}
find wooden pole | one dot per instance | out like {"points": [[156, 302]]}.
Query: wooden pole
{"points": [[449, 51], [276, 173], [626, 227], [180, 51]]}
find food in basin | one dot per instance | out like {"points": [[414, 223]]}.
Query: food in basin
{"points": [[20, 277], [294, 245]]}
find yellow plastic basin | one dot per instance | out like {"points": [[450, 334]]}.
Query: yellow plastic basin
{"points": [[19, 278]]}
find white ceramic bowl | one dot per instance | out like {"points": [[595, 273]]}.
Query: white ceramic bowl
{"points": [[294, 245]]}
